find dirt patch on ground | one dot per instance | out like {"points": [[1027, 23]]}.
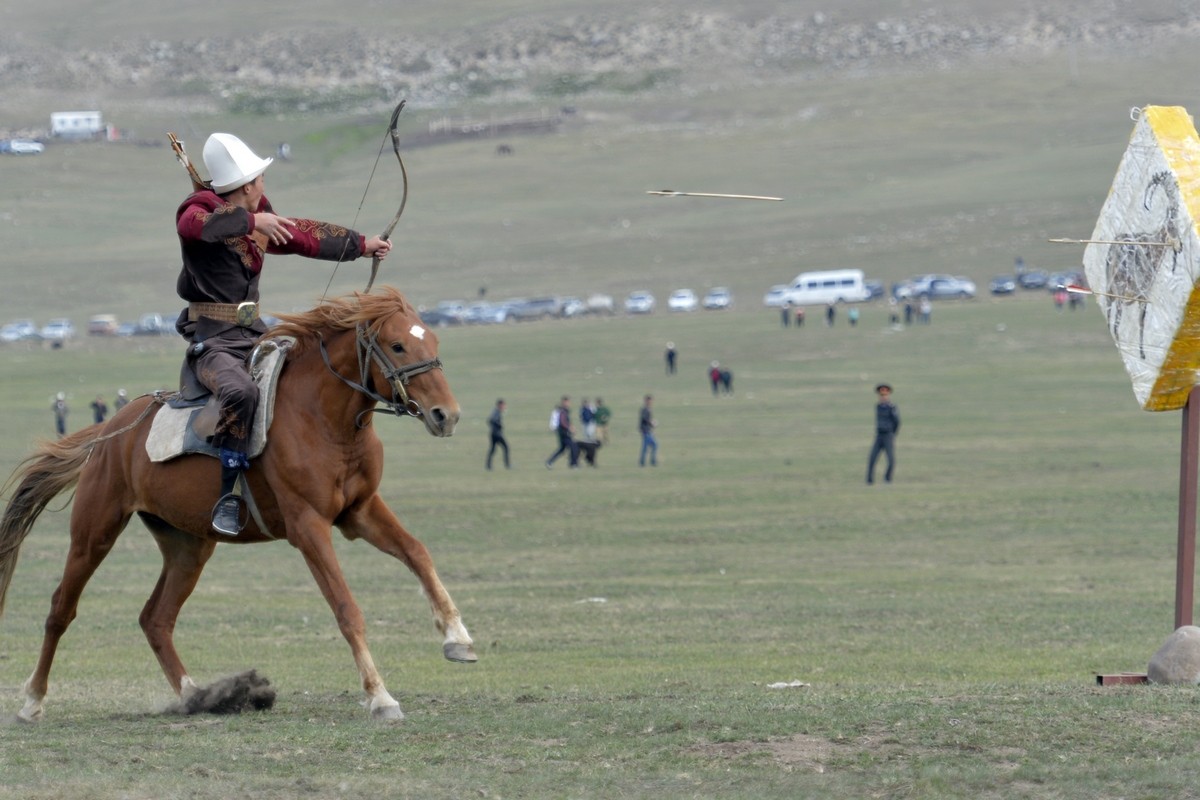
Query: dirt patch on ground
{"points": [[797, 752]]}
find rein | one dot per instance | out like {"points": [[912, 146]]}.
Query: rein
{"points": [[368, 349]]}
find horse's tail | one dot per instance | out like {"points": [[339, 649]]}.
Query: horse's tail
{"points": [[45, 473]]}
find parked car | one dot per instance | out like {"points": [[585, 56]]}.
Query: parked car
{"points": [[639, 302], [600, 304], [776, 296], [103, 325], [1002, 284], [19, 331], [875, 289], [25, 147], [717, 297], [57, 330], [154, 325], [938, 287], [453, 308], [482, 313], [438, 318], [682, 300], [1033, 279], [536, 308], [572, 307], [828, 286]]}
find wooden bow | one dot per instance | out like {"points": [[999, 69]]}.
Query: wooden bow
{"points": [[387, 232]]}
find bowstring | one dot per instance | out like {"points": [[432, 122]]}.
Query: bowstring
{"points": [[362, 200]]}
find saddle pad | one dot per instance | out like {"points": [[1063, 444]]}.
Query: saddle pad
{"points": [[172, 433]]}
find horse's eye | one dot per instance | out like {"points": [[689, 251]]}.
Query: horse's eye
{"points": [[397, 348]]}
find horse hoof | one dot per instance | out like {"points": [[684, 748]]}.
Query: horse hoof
{"points": [[31, 717], [462, 653], [387, 714]]}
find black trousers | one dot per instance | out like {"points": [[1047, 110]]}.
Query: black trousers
{"points": [[884, 443], [497, 441], [566, 444]]}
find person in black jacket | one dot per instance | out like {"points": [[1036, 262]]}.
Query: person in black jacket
{"points": [[887, 425], [496, 426], [565, 433]]}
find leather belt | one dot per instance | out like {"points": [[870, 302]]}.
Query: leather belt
{"points": [[243, 314]]}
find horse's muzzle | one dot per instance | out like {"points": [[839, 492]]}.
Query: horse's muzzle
{"points": [[441, 420]]}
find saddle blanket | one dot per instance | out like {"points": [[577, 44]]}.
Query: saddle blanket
{"points": [[183, 430]]}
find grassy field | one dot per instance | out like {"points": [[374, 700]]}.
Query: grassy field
{"points": [[630, 621]]}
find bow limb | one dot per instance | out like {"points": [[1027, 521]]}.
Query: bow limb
{"points": [[387, 232]]}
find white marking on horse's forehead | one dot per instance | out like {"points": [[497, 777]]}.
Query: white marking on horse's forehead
{"points": [[417, 331]]}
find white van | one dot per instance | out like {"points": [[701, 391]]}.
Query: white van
{"points": [[829, 286]]}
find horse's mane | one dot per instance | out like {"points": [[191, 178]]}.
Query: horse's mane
{"points": [[339, 314]]}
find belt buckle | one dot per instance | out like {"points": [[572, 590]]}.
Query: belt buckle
{"points": [[246, 313]]}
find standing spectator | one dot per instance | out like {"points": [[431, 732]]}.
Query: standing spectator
{"points": [[587, 415], [670, 356], [714, 377], [785, 313], [496, 429], [799, 317], [646, 425], [926, 310], [122, 399], [603, 415], [893, 312], [727, 381], [99, 409], [561, 418], [852, 316], [887, 425], [59, 406], [830, 313], [908, 312]]}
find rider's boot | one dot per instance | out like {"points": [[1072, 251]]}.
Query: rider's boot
{"points": [[227, 513]]}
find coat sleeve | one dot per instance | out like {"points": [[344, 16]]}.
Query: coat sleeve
{"points": [[322, 240]]}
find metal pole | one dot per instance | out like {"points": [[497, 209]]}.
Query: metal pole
{"points": [[1185, 558]]}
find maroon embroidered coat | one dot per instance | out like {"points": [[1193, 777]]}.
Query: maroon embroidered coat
{"points": [[222, 264]]}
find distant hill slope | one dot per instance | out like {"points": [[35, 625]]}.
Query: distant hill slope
{"points": [[365, 59]]}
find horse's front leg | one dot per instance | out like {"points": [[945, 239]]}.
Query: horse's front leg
{"points": [[374, 522], [317, 549]]}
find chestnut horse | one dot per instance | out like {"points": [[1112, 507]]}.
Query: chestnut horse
{"points": [[321, 468]]}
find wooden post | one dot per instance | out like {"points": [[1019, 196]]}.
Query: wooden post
{"points": [[1185, 557]]}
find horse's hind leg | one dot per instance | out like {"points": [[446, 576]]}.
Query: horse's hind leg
{"points": [[92, 537], [184, 557]]}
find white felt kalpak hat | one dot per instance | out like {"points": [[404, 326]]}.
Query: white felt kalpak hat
{"points": [[231, 163]]}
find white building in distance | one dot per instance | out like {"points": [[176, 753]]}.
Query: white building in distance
{"points": [[76, 124]]}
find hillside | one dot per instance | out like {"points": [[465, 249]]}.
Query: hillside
{"points": [[292, 63]]}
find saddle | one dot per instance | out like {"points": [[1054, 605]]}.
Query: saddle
{"points": [[184, 424]]}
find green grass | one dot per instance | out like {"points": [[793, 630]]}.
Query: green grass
{"points": [[949, 625]]}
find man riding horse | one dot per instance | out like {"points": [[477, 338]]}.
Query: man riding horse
{"points": [[224, 232]]}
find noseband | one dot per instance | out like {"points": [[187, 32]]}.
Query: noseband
{"points": [[368, 350]]}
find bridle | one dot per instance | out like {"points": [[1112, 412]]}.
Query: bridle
{"points": [[368, 350]]}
